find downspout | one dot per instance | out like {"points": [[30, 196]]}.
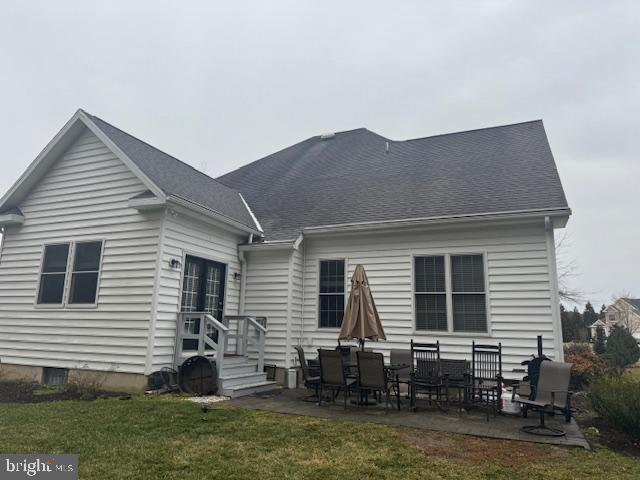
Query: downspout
{"points": [[243, 276], [243, 280], [289, 330], [3, 232], [553, 286], [156, 294], [287, 354]]}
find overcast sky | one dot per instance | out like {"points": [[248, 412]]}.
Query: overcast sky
{"points": [[219, 84]]}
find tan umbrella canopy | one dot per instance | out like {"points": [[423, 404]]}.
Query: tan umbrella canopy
{"points": [[361, 320]]}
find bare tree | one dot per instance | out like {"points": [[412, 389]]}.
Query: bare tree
{"points": [[567, 270]]}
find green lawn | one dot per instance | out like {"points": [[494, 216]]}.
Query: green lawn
{"points": [[161, 438]]}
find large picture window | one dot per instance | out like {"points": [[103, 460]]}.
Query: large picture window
{"points": [[450, 293], [331, 293], [81, 273]]}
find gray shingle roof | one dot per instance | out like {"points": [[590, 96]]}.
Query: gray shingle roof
{"points": [[633, 301], [349, 178], [176, 178]]}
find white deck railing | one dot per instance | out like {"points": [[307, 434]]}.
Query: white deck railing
{"points": [[236, 335]]}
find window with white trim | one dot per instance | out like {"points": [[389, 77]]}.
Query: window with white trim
{"points": [[431, 293], [449, 292], [80, 275], [53, 274], [469, 299], [331, 293]]}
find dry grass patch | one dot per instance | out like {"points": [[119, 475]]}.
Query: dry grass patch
{"points": [[468, 450]]}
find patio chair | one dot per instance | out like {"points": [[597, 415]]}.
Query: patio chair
{"points": [[333, 376], [402, 357], [372, 376], [457, 376], [349, 359], [551, 395], [310, 375], [486, 375], [425, 373]]}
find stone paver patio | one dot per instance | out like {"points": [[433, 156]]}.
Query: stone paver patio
{"points": [[472, 422]]}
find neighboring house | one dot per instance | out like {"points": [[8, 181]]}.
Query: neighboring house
{"points": [[107, 239], [624, 312]]}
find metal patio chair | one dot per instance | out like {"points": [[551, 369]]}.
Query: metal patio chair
{"points": [[551, 395], [402, 357], [457, 376], [333, 376], [372, 376], [310, 375]]}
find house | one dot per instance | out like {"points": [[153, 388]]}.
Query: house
{"points": [[112, 249], [624, 312]]}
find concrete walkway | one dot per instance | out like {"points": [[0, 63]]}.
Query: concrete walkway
{"points": [[472, 422]]}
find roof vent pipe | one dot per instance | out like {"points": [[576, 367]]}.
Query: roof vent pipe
{"points": [[327, 136], [386, 147]]}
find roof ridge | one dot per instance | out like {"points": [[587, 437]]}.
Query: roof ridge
{"points": [[539, 120], [314, 137], [161, 151]]}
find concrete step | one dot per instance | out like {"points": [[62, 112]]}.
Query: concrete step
{"points": [[242, 379], [249, 389]]}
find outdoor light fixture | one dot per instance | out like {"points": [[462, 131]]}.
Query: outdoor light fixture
{"points": [[237, 275], [175, 263]]}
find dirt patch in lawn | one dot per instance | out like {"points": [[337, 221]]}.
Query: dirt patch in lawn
{"points": [[31, 392], [470, 450]]}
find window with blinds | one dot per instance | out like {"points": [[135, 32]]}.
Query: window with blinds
{"points": [[468, 292], [455, 282], [430, 293], [331, 293]]}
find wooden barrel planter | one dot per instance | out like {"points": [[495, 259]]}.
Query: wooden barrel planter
{"points": [[198, 376]]}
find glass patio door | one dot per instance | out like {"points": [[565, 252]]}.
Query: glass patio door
{"points": [[203, 286], [202, 291]]}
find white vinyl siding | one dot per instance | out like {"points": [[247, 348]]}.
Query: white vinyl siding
{"points": [[267, 294], [518, 292], [183, 235], [83, 197]]}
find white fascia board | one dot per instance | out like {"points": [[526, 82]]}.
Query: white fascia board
{"points": [[11, 219], [210, 214], [150, 203], [122, 156], [273, 245], [560, 218]]}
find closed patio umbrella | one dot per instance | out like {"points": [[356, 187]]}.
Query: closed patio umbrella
{"points": [[361, 320]]}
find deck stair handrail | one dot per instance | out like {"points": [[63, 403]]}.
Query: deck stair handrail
{"points": [[231, 336], [202, 326], [247, 331]]}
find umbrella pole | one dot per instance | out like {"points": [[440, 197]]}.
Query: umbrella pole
{"points": [[361, 341]]}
